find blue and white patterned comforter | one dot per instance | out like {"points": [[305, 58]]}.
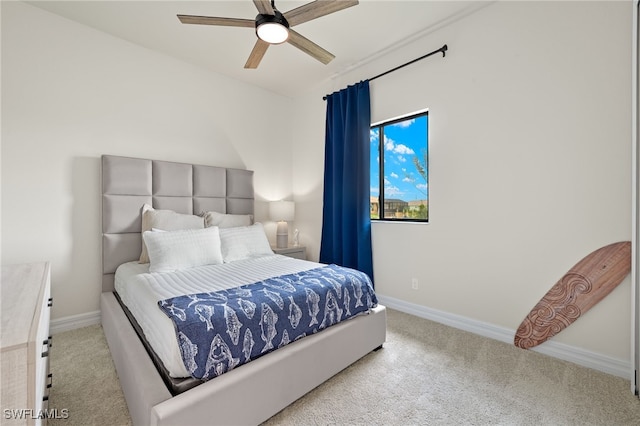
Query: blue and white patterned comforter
{"points": [[221, 330]]}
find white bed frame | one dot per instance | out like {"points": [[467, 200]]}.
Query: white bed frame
{"points": [[246, 395]]}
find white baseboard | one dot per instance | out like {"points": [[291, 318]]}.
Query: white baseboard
{"points": [[72, 322], [606, 364]]}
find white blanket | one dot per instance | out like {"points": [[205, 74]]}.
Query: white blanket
{"points": [[140, 291]]}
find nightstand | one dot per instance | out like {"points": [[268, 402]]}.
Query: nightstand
{"points": [[298, 252]]}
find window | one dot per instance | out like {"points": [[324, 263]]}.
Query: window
{"points": [[399, 169]]}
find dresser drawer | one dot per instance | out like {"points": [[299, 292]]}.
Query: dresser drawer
{"points": [[41, 355]]}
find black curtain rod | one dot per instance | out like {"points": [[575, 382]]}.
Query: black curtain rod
{"points": [[443, 49]]}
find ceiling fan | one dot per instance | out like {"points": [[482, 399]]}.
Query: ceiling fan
{"points": [[274, 27]]}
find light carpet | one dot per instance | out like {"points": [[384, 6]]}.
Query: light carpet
{"points": [[426, 374]]}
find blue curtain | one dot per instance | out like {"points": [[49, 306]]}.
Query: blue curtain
{"points": [[346, 222]]}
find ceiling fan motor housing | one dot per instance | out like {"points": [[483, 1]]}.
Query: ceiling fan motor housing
{"points": [[277, 19]]}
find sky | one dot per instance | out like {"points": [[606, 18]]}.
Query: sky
{"points": [[403, 142]]}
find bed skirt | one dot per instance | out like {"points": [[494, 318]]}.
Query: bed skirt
{"points": [[266, 385]]}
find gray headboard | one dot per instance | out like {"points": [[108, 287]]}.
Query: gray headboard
{"points": [[128, 183]]}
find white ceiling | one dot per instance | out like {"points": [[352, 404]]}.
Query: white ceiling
{"points": [[354, 35]]}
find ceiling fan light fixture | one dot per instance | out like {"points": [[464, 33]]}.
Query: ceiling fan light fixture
{"points": [[273, 29]]}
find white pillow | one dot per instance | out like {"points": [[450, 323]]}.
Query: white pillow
{"points": [[243, 242], [222, 220], [167, 220], [174, 250]]}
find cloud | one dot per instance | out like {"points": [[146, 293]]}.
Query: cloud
{"points": [[405, 123], [392, 191], [403, 149], [389, 144], [394, 175]]}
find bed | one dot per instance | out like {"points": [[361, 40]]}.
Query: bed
{"points": [[247, 394]]}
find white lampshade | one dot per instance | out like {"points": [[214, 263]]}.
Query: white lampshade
{"points": [[282, 210]]}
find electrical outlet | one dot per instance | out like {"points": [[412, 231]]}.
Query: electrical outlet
{"points": [[414, 283]]}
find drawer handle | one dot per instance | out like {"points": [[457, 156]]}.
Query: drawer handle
{"points": [[50, 377], [45, 354], [49, 341], [50, 302]]}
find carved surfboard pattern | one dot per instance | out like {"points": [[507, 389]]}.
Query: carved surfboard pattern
{"points": [[584, 285]]}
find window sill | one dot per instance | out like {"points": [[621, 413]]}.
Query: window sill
{"points": [[404, 222]]}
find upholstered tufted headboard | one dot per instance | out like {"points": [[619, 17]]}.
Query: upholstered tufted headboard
{"points": [[128, 183]]}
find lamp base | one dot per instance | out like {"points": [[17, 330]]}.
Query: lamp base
{"points": [[282, 235]]}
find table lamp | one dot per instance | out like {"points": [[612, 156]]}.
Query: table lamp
{"points": [[281, 212]]}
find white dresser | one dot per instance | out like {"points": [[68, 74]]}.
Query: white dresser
{"points": [[25, 342]]}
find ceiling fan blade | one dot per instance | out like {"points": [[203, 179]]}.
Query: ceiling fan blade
{"points": [[264, 7], [211, 20], [316, 9], [259, 49], [309, 47]]}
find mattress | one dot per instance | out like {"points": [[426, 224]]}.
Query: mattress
{"points": [[140, 292]]}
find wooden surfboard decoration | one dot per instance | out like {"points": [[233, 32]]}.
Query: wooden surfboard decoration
{"points": [[584, 285]]}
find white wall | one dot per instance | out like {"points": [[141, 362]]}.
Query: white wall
{"points": [[530, 162], [71, 94]]}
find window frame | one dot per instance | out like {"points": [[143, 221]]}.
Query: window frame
{"points": [[381, 167]]}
